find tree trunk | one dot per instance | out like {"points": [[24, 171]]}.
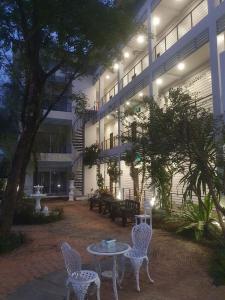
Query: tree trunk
{"points": [[16, 178]]}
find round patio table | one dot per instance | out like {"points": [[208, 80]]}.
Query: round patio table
{"points": [[112, 250]]}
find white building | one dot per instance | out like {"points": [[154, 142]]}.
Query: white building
{"points": [[182, 44]]}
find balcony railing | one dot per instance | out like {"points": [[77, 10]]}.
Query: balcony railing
{"points": [[110, 94], [63, 105], [135, 71], [184, 26], [110, 143], [218, 2]]}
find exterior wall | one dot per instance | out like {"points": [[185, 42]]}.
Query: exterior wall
{"points": [[90, 135], [90, 183]]}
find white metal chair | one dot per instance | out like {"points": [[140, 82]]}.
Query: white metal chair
{"points": [[141, 237], [79, 279]]}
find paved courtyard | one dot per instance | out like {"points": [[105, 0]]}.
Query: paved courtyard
{"points": [[36, 271]]}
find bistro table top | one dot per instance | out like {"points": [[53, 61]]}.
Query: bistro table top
{"points": [[116, 248]]}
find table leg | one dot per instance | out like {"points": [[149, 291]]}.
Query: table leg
{"points": [[114, 277]]}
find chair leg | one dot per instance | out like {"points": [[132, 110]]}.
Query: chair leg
{"points": [[68, 293], [137, 265], [98, 284], [147, 269], [98, 293]]}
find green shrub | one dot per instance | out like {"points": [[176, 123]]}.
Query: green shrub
{"points": [[26, 215], [11, 242]]}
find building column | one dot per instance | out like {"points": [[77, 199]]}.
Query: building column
{"points": [[151, 44], [214, 61]]}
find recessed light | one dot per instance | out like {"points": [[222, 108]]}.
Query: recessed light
{"points": [[107, 77], [116, 66], [156, 21], [140, 39], [140, 94], [126, 54], [159, 81], [108, 117], [127, 103], [181, 66]]}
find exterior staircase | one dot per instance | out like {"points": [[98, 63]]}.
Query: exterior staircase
{"points": [[78, 146]]}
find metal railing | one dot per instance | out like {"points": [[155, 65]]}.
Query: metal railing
{"points": [[64, 104], [110, 94], [184, 26], [110, 143], [135, 71]]}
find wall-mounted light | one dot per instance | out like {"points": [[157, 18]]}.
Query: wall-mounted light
{"points": [[116, 66], [141, 39], [126, 54], [156, 21], [181, 66], [159, 81]]}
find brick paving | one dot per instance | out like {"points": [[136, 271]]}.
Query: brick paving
{"points": [[178, 267]]}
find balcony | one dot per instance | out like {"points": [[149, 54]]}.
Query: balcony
{"points": [[110, 143], [185, 25], [135, 71], [110, 94]]}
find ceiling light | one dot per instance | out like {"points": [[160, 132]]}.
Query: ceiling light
{"points": [[126, 54], [140, 39], [159, 81], [156, 21], [140, 94], [108, 117], [181, 66], [127, 103], [107, 77], [116, 66]]}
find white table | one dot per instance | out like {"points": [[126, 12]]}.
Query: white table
{"points": [[113, 250]]}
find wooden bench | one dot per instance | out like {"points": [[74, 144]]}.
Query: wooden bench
{"points": [[125, 210]]}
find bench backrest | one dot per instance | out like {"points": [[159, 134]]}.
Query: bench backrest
{"points": [[131, 204]]}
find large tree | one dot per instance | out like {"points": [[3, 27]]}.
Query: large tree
{"points": [[38, 38]]}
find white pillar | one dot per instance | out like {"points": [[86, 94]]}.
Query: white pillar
{"points": [[214, 62], [222, 76], [151, 44]]}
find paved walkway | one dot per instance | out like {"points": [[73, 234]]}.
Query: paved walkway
{"points": [[35, 271]]}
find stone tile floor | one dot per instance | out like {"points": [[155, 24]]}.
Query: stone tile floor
{"points": [[36, 271]]}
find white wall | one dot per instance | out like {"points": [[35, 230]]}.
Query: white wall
{"points": [[90, 134], [90, 182]]}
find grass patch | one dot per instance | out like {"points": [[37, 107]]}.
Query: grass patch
{"points": [[11, 242]]}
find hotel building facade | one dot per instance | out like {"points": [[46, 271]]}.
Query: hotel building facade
{"points": [[181, 44]]}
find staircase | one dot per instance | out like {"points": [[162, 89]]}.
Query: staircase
{"points": [[78, 147]]}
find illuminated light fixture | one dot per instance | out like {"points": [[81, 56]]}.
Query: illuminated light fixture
{"points": [[140, 94], [159, 81], [116, 67], [108, 117], [156, 21], [126, 54], [107, 77], [220, 39], [141, 39], [127, 103], [181, 66], [59, 186]]}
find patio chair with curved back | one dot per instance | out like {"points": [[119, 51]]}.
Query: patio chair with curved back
{"points": [[141, 237], [79, 279]]}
